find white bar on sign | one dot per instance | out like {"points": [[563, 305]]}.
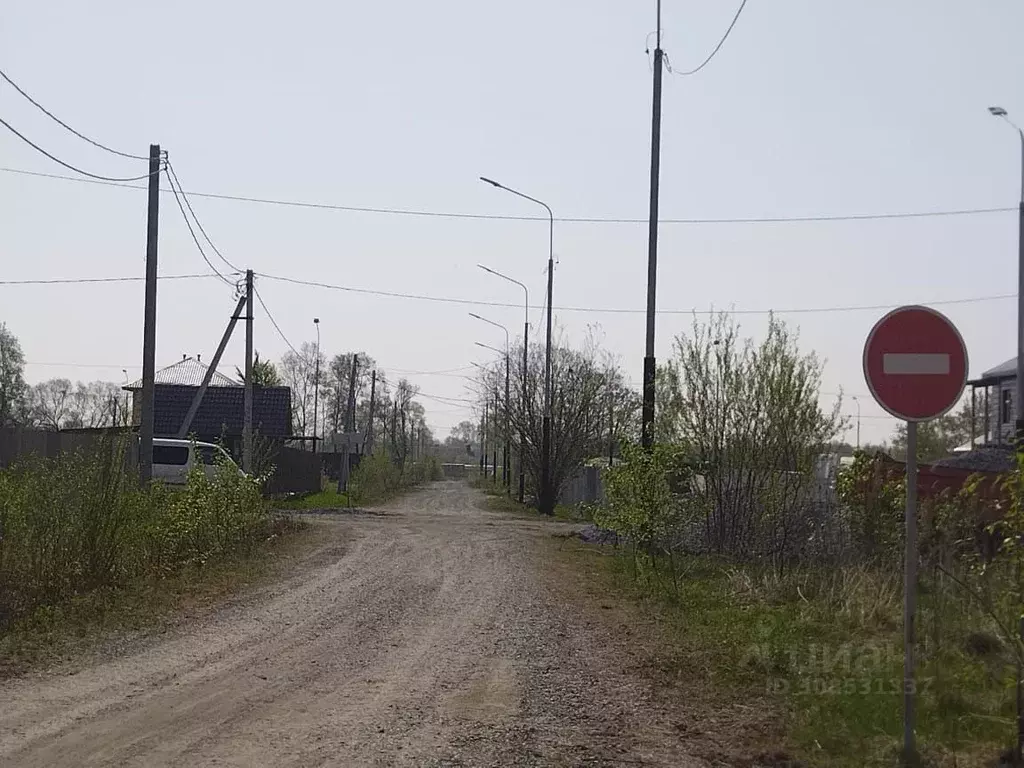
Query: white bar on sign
{"points": [[915, 363]]}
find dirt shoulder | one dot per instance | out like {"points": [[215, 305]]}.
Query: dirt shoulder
{"points": [[432, 633]]}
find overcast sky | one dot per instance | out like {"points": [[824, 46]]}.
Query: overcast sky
{"points": [[810, 108]]}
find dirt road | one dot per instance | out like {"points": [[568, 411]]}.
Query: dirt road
{"points": [[423, 635]]}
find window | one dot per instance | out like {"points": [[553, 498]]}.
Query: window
{"points": [[170, 454], [211, 455], [1006, 407]]}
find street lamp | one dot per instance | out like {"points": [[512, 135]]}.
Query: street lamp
{"points": [[316, 381], [1018, 400], [857, 401], [546, 502], [507, 462], [526, 362]]}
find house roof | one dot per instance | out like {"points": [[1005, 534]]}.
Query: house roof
{"points": [[1002, 372], [221, 411], [1009, 368], [189, 372]]}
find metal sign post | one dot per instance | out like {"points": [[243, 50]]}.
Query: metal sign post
{"points": [[915, 364], [910, 594]]}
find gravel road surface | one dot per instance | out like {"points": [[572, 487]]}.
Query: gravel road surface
{"points": [[425, 634]]}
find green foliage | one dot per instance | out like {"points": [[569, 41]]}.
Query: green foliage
{"points": [[12, 379], [378, 477], [264, 373], [937, 438], [329, 498], [820, 638], [873, 506], [640, 504], [80, 522]]}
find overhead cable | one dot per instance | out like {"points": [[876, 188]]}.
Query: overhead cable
{"points": [[564, 220], [60, 122]]}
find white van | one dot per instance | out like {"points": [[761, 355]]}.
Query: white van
{"points": [[172, 459]]}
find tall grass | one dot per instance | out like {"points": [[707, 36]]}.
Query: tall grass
{"points": [[80, 523]]}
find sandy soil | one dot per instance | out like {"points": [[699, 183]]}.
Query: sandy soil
{"points": [[424, 634]]}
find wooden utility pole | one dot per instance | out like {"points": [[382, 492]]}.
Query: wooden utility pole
{"points": [[650, 367], [350, 413], [149, 322], [611, 432], [193, 409], [368, 439], [247, 456]]}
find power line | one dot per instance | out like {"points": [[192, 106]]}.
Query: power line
{"points": [[274, 322], [78, 280], [193, 233], [564, 220], [198, 223], [453, 400], [479, 303], [57, 160], [718, 47], [56, 119], [444, 372], [623, 310]]}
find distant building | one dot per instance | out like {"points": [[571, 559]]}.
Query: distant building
{"points": [[999, 411], [221, 414]]}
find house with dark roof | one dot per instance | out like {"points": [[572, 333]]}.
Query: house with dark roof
{"points": [[999, 410], [221, 414]]}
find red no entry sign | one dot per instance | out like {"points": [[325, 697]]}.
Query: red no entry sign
{"points": [[915, 363]]}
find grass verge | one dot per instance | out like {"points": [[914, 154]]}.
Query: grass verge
{"points": [[499, 500], [815, 657], [111, 617], [329, 498]]}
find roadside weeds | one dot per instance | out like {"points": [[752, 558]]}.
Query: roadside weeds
{"points": [[759, 679], [105, 622]]}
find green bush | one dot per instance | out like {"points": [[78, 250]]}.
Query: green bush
{"points": [[81, 522], [378, 477]]}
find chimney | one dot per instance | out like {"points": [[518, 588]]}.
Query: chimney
{"points": [[197, 359], [184, 357]]}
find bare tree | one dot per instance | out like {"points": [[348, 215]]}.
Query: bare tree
{"points": [[298, 371], [58, 404], [51, 404], [335, 395], [585, 382]]}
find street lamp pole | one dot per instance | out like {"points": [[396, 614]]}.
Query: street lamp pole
{"points": [[546, 502], [316, 381], [1018, 400], [526, 361], [506, 464]]}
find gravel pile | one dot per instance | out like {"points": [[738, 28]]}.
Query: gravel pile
{"points": [[592, 534]]}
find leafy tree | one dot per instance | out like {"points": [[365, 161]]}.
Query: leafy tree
{"points": [[751, 419], [12, 375], [938, 438], [264, 373]]}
